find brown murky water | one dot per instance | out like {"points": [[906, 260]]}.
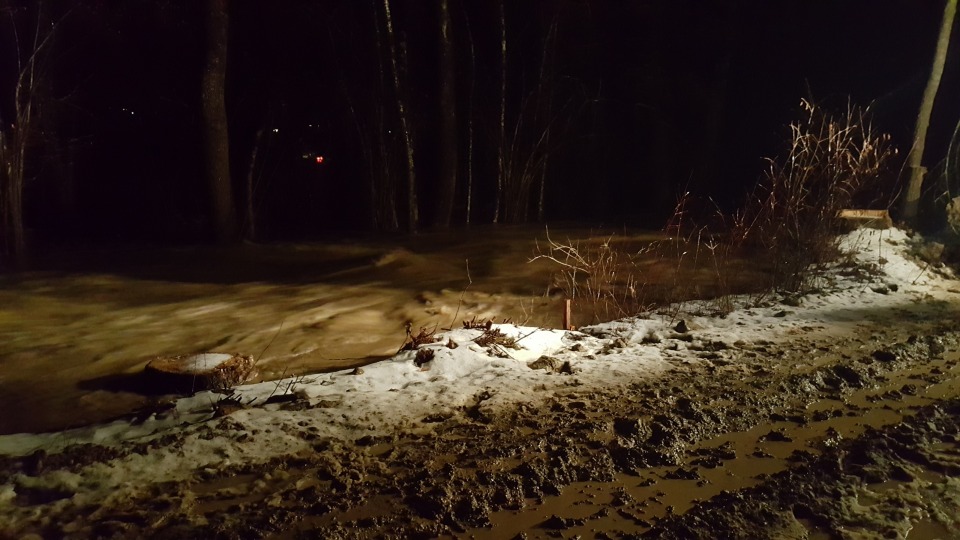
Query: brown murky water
{"points": [[74, 337]]}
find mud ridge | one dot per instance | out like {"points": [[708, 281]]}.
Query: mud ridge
{"points": [[883, 484]]}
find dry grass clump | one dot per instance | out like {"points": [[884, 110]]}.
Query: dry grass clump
{"points": [[477, 323], [787, 228], [602, 279], [496, 342], [414, 341], [701, 254], [493, 336], [833, 161]]}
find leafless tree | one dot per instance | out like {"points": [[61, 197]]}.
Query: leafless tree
{"points": [[405, 128], [501, 151], [526, 149], [449, 161], [17, 132], [250, 218], [216, 138], [915, 159], [471, 85], [545, 90]]}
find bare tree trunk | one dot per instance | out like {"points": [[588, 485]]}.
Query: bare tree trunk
{"points": [[449, 144], [387, 192], [470, 90], [25, 91], [546, 94], [412, 211], [915, 160], [370, 121], [11, 196], [14, 138], [250, 229], [215, 132], [501, 158], [16, 172]]}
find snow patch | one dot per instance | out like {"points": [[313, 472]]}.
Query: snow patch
{"points": [[204, 362]]}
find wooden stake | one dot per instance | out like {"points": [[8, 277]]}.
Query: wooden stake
{"points": [[567, 324]]}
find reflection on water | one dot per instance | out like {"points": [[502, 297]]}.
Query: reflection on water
{"points": [[75, 336]]}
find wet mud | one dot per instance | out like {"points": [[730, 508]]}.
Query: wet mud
{"points": [[829, 434]]}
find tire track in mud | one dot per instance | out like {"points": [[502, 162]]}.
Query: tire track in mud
{"points": [[750, 440], [897, 482]]}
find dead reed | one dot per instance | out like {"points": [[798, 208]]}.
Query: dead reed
{"points": [[787, 229]]}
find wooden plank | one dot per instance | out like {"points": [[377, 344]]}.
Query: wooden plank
{"points": [[871, 219]]}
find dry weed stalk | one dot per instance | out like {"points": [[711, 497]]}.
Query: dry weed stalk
{"points": [[476, 323], [789, 222], [693, 247], [787, 227], [414, 341], [792, 215], [599, 276], [496, 342]]}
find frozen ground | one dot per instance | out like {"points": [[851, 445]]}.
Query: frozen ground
{"points": [[476, 380]]}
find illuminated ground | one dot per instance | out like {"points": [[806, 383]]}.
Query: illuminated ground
{"points": [[832, 415]]}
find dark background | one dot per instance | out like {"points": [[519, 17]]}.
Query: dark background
{"points": [[648, 99]]}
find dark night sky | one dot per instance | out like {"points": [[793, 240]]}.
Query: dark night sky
{"points": [[649, 97]]}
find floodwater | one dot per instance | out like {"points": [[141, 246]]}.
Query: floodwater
{"points": [[75, 336]]}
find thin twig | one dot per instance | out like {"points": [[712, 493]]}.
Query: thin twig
{"points": [[277, 333], [463, 292]]}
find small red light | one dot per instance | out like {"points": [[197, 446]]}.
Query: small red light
{"points": [[319, 159]]}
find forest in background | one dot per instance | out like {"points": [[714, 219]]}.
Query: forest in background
{"points": [[323, 117]]}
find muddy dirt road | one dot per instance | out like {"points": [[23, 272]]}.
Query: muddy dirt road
{"points": [[850, 431]]}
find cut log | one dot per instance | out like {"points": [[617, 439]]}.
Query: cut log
{"points": [[194, 372], [871, 219]]}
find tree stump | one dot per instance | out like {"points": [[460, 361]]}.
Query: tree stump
{"points": [[191, 373]]}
